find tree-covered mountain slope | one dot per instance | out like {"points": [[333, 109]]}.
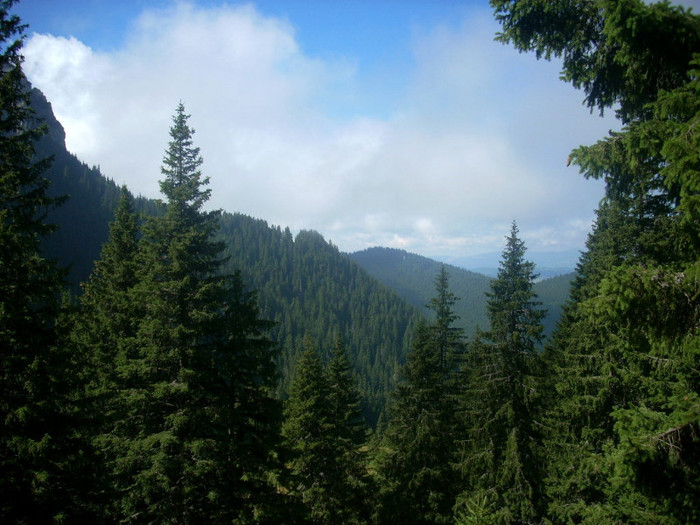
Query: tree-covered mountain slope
{"points": [[553, 293], [83, 219], [304, 284], [308, 287], [412, 276]]}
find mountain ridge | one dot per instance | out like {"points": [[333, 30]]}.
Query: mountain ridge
{"points": [[303, 283], [412, 276], [548, 263]]}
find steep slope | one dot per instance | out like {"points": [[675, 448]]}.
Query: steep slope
{"points": [[305, 284], [553, 293], [84, 217], [92, 199], [412, 276], [308, 287]]}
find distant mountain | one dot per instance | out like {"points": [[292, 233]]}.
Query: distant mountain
{"points": [[412, 276], [304, 284], [372, 299], [549, 264], [553, 293]]}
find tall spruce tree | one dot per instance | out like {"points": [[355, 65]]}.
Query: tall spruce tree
{"points": [[323, 430], [349, 431], [447, 335], [195, 437], [307, 420], [582, 362], [625, 409], [107, 316], [500, 461], [306, 431], [414, 456], [345, 399], [103, 329], [42, 452]]}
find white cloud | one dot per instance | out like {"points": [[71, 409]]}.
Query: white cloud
{"points": [[71, 73], [481, 136]]}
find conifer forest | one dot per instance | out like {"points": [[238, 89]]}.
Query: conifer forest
{"points": [[162, 363]]}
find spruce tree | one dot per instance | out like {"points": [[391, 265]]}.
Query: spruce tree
{"points": [[307, 432], [349, 432], [447, 336], [345, 398], [198, 425], [585, 385], [625, 406], [107, 316], [413, 460], [103, 329], [500, 460], [43, 454], [323, 431]]}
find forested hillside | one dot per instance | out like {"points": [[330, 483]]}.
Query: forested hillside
{"points": [[84, 217], [554, 294], [412, 277], [304, 284], [154, 394], [310, 289]]}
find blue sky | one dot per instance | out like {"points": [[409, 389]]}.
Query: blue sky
{"points": [[391, 123]]}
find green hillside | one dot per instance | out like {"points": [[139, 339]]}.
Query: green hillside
{"points": [[553, 293], [218, 369], [84, 217], [308, 287], [412, 276], [304, 284]]}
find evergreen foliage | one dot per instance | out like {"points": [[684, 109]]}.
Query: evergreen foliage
{"points": [[447, 336], [345, 400], [43, 469], [301, 283], [307, 421], [323, 429], [107, 315], [350, 433], [151, 398], [624, 418], [309, 288], [103, 329], [413, 460], [500, 460], [617, 52], [195, 425]]}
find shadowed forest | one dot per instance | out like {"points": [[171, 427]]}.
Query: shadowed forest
{"points": [[162, 363]]}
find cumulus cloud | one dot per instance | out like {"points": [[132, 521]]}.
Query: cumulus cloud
{"points": [[480, 137]]}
